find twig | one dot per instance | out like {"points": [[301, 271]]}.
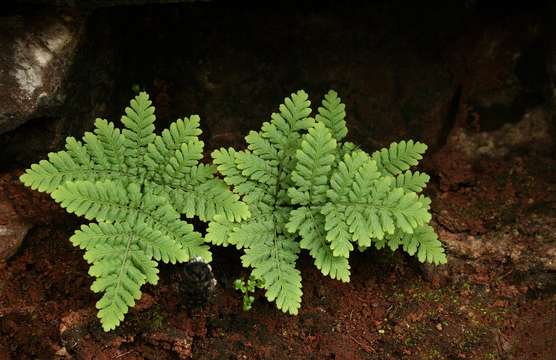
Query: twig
{"points": [[16, 309], [368, 349], [123, 354]]}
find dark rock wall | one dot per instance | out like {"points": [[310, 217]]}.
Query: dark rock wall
{"points": [[404, 71]]}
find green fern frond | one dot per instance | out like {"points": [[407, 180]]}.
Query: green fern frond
{"points": [[139, 128], [336, 267], [103, 201], [337, 229], [211, 198], [423, 242], [283, 130], [152, 242], [47, 175], [256, 168], [260, 146], [218, 231], [274, 262], [120, 272], [346, 170], [111, 145], [62, 166], [225, 159], [429, 247], [100, 158], [222, 231], [399, 157], [314, 162], [310, 224], [333, 114], [78, 152], [164, 146], [255, 230], [412, 181]]}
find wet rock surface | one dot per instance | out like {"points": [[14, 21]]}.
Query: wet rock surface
{"points": [[12, 229], [37, 51]]}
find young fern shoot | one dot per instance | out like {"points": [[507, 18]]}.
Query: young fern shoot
{"points": [[308, 189]]}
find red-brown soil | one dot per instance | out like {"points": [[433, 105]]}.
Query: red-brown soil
{"points": [[392, 309]]}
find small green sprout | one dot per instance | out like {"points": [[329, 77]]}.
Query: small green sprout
{"points": [[247, 288]]}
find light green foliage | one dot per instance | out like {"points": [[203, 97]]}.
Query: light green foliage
{"points": [[247, 288], [307, 189], [135, 185]]}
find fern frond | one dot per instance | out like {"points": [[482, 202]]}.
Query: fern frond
{"points": [[152, 242], [225, 159], [223, 232], [165, 145], [157, 212], [199, 174], [342, 177], [73, 164], [283, 129], [120, 272], [332, 114], [218, 231], [337, 229], [256, 168], [394, 240], [309, 223], [314, 162], [112, 202], [261, 147], [110, 145], [47, 175], [139, 128], [179, 165], [294, 111], [425, 242], [208, 199], [399, 157], [412, 181], [104, 201], [78, 153], [274, 262], [365, 206], [96, 149], [255, 230]]}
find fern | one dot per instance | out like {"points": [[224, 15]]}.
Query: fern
{"points": [[306, 189], [297, 186], [135, 185]]}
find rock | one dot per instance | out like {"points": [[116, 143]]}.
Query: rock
{"points": [[36, 54], [12, 229], [82, 338], [93, 4], [172, 339], [79, 82], [144, 303], [533, 131], [195, 282], [78, 319]]}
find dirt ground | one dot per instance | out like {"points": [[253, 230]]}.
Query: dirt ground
{"points": [[495, 212], [392, 309]]}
